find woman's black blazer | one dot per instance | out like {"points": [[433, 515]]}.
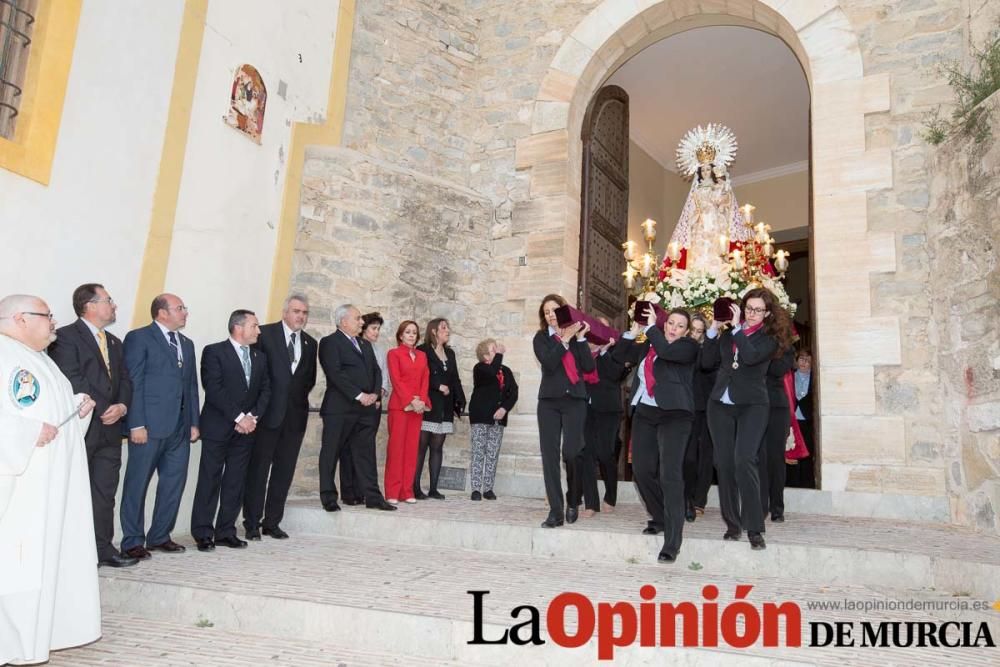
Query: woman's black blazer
{"points": [[549, 353], [606, 395], [487, 396], [776, 372], [673, 369], [443, 408], [747, 384]]}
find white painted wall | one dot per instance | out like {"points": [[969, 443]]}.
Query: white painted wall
{"points": [[231, 189], [90, 223]]}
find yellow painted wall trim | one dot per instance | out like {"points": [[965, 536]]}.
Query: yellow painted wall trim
{"points": [[49, 60], [153, 272], [306, 134]]}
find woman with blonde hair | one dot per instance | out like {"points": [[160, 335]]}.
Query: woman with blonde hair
{"points": [[494, 394]]}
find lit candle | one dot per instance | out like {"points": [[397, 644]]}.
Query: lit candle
{"points": [[738, 258], [647, 264], [748, 210], [649, 227], [674, 251], [629, 278], [761, 232], [768, 248], [629, 247], [723, 244], [781, 261]]}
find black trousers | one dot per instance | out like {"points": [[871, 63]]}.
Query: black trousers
{"points": [[355, 432], [104, 459], [736, 434], [803, 474], [270, 474], [659, 440], [599, 437], [561, 422], [222, 475], [698, 462], [771, 461]]}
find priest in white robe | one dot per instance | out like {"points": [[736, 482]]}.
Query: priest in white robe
{"points": [[49, 596]]}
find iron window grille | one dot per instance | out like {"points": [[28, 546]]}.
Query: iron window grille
{"points": [[16, 23]]}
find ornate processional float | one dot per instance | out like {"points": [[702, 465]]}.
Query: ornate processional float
{"points": [[716, 250]]}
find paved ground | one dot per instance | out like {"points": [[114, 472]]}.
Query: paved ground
{"points": [[433, 583]]}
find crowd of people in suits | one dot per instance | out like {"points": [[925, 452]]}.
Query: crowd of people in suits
{"points": [[704, 400], [253, 417]]}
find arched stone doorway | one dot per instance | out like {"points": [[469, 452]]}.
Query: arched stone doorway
{"points": [[862, 448]]}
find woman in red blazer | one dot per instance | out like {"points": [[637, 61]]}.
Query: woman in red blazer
{"points": [[407, 404]]}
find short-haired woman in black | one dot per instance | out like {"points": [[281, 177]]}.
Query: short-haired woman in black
{"points": [[494, 394], [661, 427], [738, 406], [562, 406], [771, 458], [447, 400], [698, 465]]}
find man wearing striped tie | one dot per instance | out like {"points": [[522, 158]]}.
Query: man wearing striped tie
{"points": [[91, 358], [162, 424], [237, 390]]}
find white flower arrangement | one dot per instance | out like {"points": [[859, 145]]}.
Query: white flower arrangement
{"points": [[698, 290]]}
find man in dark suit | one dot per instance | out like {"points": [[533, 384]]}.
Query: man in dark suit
{"points": [[236, 394], [162, 422], [349, 410], [290, 355], [91, 358]]}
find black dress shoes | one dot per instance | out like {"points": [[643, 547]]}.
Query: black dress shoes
{"points": [[205, 544], [553, 521], [232, 542], [756, 541], [777, 518], [169, 547], [383, 505], [331, 507], [117, 560], [489, 495], [276, 532], [571, 514], [689, 514], [419, 495], [435, 495], [652, 529], [356, 501], [476, 495], [665, 558], [253, 534], [138, 552], [731, 536]]}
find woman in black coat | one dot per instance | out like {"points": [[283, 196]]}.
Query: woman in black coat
{"points": [[664, 409], [771, 458], [494, 394], [562, 406], [738, 406], [447, 401]]}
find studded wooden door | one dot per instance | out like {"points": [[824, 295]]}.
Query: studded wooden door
{"points": [[604, 205]]}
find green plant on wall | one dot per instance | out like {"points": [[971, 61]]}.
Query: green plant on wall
{"points": [[971, 88]]}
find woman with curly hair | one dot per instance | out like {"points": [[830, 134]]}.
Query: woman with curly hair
{"points": [[738, 407]]}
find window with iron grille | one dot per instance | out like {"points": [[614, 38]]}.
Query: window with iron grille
{"points": [[17, 18]]}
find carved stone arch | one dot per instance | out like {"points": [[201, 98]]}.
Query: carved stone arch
{"points": [[864, 449]]}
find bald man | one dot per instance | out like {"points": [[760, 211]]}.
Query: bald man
{"points": [[49, 596]]}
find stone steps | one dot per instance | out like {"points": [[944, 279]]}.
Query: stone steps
{"points": [[375, 597], [816, 548]]}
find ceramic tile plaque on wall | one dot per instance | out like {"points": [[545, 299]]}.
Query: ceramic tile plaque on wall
{"points": [[247, 100]]}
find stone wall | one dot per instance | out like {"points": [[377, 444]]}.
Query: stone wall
{"points": [[963, 234], [449, 88]]}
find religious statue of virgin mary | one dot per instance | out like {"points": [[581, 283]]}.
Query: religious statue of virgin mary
{"points": [[710, 212]]}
